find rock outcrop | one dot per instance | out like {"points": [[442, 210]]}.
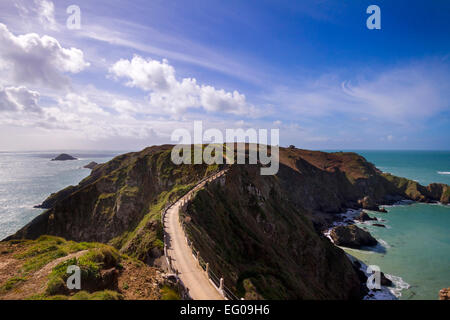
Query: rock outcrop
{"points": [[444, 294], [351, 236], [64, 157], [91, 165], [365, 217], [379, 225], [385, 281]]}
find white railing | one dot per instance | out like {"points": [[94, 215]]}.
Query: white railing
{"points": [[217, 282]]}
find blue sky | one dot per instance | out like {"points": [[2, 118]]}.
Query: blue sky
{"points": [[136, 70]]}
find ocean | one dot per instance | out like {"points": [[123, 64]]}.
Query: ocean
{"points": [[27, 179], [415, 244]]}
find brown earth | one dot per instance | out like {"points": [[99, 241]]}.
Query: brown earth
{"points": [[262, 232], [135, 280]]}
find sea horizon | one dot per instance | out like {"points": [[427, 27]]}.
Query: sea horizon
{"points": [[20, 205]]}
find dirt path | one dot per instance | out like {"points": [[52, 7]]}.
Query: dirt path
{"points": [[192, 275], [37, 282]]}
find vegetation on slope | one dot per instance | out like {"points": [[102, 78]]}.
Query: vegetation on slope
{"points": [[37, 269], [262, 245], [120, 203], [261, 232]]}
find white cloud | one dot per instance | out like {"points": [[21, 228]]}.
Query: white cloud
{"points": [[46, 14], [400, 95], [174, 96], [36, 60], [19, 99], [79, 104]]}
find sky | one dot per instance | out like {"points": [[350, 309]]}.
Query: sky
{"points": [[137, 70]]}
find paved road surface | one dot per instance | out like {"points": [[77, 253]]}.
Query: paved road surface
{"points": [[192, 275]]}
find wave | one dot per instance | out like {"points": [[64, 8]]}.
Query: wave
{"points": [[384, 243], [393, 292], [399, 285], [443, 172]]}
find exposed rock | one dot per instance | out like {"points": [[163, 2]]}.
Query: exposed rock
{"points": [[54, 197], [439, 192], [385, 281], [362, 277], [444, 294], [271, 231], [91, 165], [382, 210], [64, 157], [109, 278], [365, 217], [379, 225], [368, 203], [352, 237]]}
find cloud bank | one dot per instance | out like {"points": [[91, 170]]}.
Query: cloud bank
{"points": [[166, 92], [35, 60]]}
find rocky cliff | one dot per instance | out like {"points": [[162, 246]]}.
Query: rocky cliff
{"points": [[262, 231], [118, 203]]}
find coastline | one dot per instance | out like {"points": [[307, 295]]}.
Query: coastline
{"points": [[345, 218], [349, 218], [386, 292]]}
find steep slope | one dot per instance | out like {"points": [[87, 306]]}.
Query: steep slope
{"points": [[261, 232], [119, 203], [322, 183], [262, 245]]}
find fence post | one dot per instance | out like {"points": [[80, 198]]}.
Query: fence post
{"points": [[221, 285], [170, 263], [198, 257]]}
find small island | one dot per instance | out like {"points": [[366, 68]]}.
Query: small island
{"points": [[64, 157]]}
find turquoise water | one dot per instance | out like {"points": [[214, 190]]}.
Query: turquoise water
{"points": [[26, 179], [417, 237], [417, 245], [422, 166]]}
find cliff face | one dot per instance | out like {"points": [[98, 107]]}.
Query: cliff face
{"points": [[334, 181], [119, 202], [260, 232], [262, 244]]}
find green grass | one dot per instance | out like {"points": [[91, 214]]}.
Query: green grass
{"points": [[11, 283], [168, 293], [98, 295], [145, 236], [91, 263], [81, 295], [48, 248]]}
